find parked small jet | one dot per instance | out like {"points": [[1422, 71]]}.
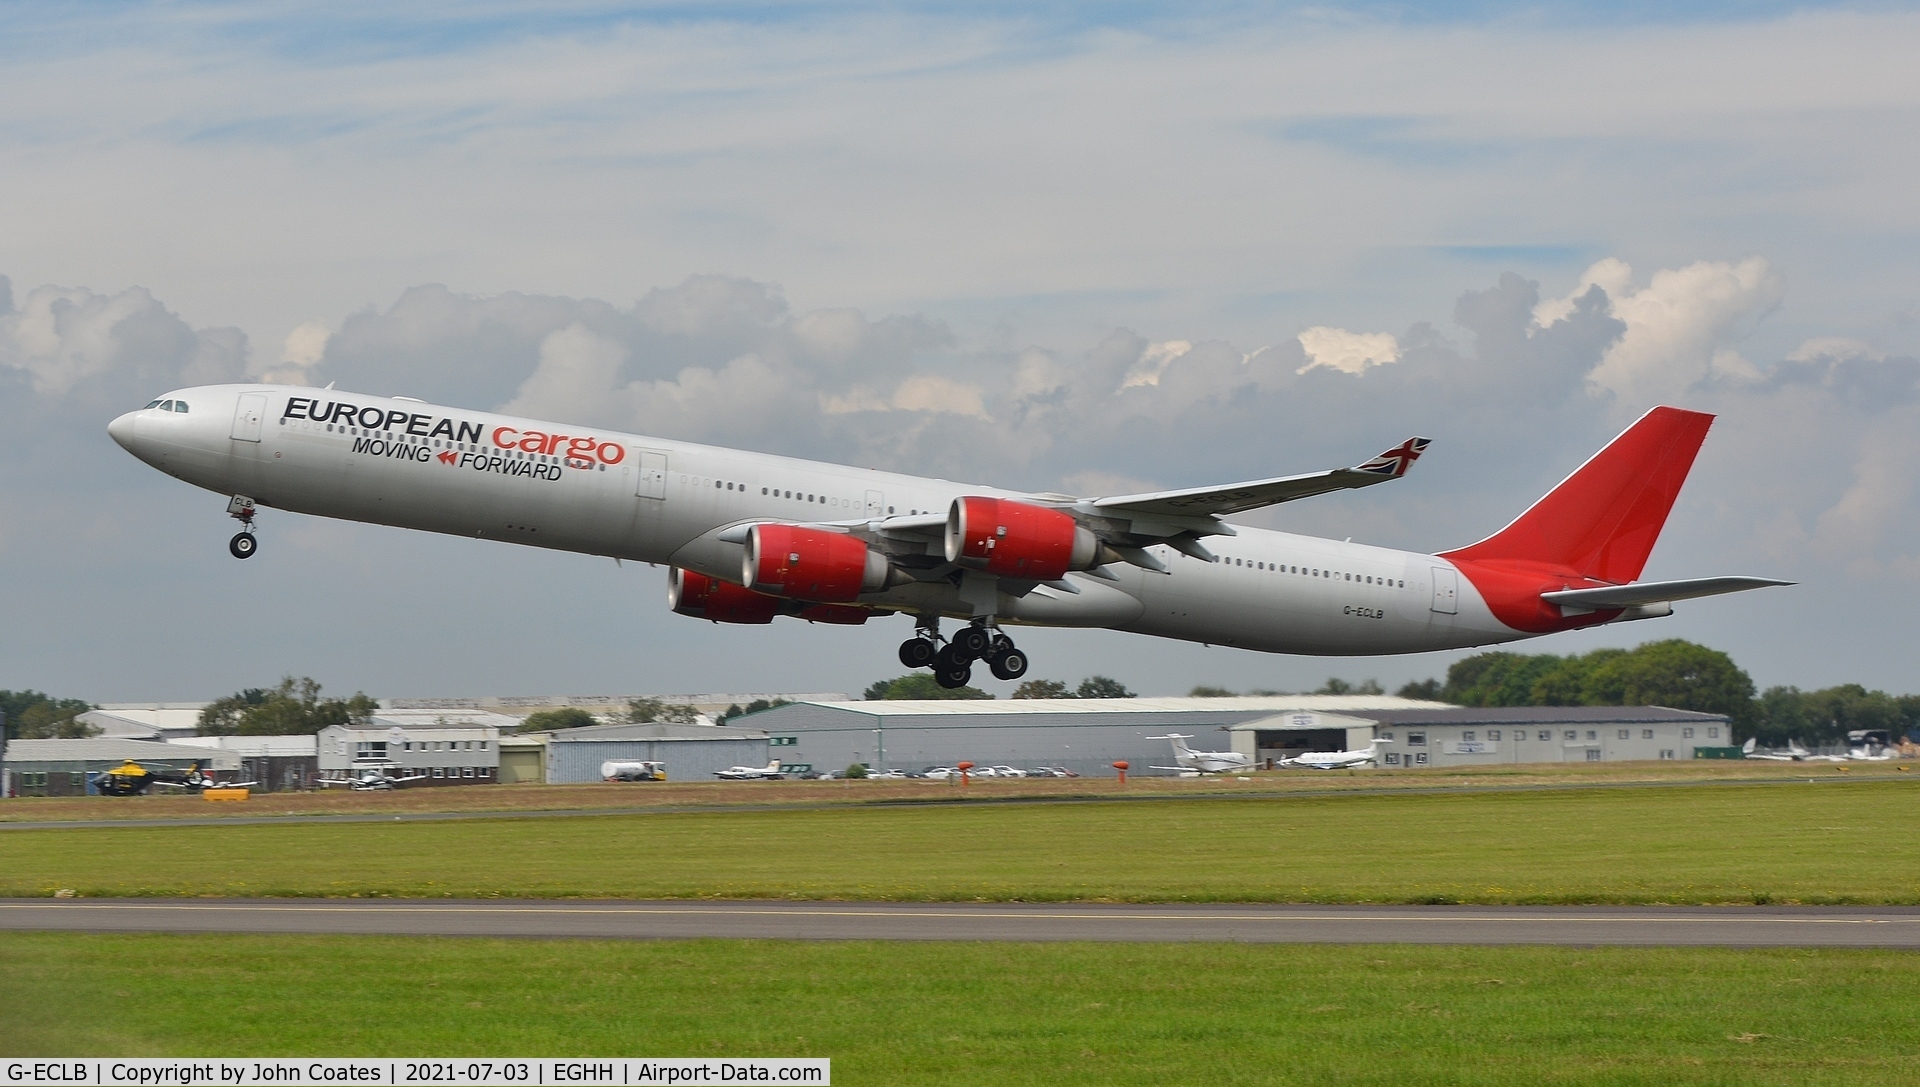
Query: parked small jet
{"points": [[1751, 750], [769, 772], [1336, 760], [1202, 762], [372, 778]]}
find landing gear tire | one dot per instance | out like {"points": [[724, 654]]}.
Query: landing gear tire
{"points": [[975, 641], [1010, 663], [917, 652], [955, 678], [243, 545], [952, 668]]}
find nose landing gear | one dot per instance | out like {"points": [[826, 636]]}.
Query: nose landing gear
{"points": [[243, 545], [952, 663]]}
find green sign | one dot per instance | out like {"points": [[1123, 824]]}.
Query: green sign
{"points": [[783, 741]]}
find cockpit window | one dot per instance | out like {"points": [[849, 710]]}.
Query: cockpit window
{"points": [[155, 404], [180, 406]]}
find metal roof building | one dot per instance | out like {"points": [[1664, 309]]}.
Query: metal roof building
{"points": [[62, 767], [1089, 735], [144, 720], [1085, 735], [1491, 735], [690, 752]]}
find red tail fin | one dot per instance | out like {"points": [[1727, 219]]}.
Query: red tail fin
{"points": [[1602, 520]]}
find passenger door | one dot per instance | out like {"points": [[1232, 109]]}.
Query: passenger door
{"points": [[652, 479], [248, 416]]}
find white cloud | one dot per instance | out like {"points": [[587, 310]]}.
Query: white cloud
{"points": [[1834, 347], [1154, 362], [1680, 327], [65, 338], [578, 367], [1347, 352]]}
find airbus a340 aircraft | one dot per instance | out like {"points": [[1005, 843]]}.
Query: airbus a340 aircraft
{"points": [[749, 536]]}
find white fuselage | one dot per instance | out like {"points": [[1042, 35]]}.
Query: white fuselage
{"points": [[586, 489]]}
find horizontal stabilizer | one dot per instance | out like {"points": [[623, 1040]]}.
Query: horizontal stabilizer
{"points": [[1220, 501], [1655, 592]]}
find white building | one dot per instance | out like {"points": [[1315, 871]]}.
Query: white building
{"points": [[451, 747]]}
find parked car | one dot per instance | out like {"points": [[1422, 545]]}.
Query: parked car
{"points": [[1007, 771], [1052, 772]]}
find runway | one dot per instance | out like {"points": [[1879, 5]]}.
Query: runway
{"points": [[1627, 926]]}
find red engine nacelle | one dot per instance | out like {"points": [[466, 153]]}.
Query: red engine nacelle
{"points": [[706, 597], [1018, 539], [811, 564]]}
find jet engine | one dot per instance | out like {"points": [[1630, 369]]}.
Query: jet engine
{"points": [[1019, 539], [704, 597], [811, 564]]}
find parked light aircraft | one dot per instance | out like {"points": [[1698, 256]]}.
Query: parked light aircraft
{"points": [[769, 772], [1202, 762], [1336, 760], [749, 537], [372, 779], [1794, 753]]}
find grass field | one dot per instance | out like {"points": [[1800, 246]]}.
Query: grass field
{"points": [[1835, 842], [1054, 1014]]}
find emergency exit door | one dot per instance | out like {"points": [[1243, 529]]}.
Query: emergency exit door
{"points": [[1446, 590]]}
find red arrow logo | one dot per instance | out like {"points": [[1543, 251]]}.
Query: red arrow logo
{"points": [[447, 457]]}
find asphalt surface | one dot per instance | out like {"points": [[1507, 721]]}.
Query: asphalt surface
{"points": [[1637, 926]]}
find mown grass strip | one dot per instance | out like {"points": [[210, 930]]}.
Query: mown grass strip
{"points": [[1054, 1014], [1828, 844]]}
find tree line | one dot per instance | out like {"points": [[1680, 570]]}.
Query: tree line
{"points": [[35, 715], [292, 707], [1678, 674]]}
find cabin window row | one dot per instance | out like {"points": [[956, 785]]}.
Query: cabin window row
{"points": [[1313, 571]]}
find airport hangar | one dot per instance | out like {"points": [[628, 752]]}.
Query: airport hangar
{"points": [[1088, 735]]}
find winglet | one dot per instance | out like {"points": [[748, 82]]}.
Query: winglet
{"points": [[1394, 462]]}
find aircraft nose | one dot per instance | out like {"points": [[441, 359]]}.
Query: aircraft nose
{"points": [[122, 430]]}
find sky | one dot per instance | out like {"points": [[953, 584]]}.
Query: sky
{"points": [[1085, 248]]}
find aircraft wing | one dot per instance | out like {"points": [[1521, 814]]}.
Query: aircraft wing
{"points": [[1239, 497], [1655, 592]]}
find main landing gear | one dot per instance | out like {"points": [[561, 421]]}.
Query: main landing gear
{"points": [[243, 545], [952, 663]]}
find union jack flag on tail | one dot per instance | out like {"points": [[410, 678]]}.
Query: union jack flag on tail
{"points": [[1395, 462]]}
